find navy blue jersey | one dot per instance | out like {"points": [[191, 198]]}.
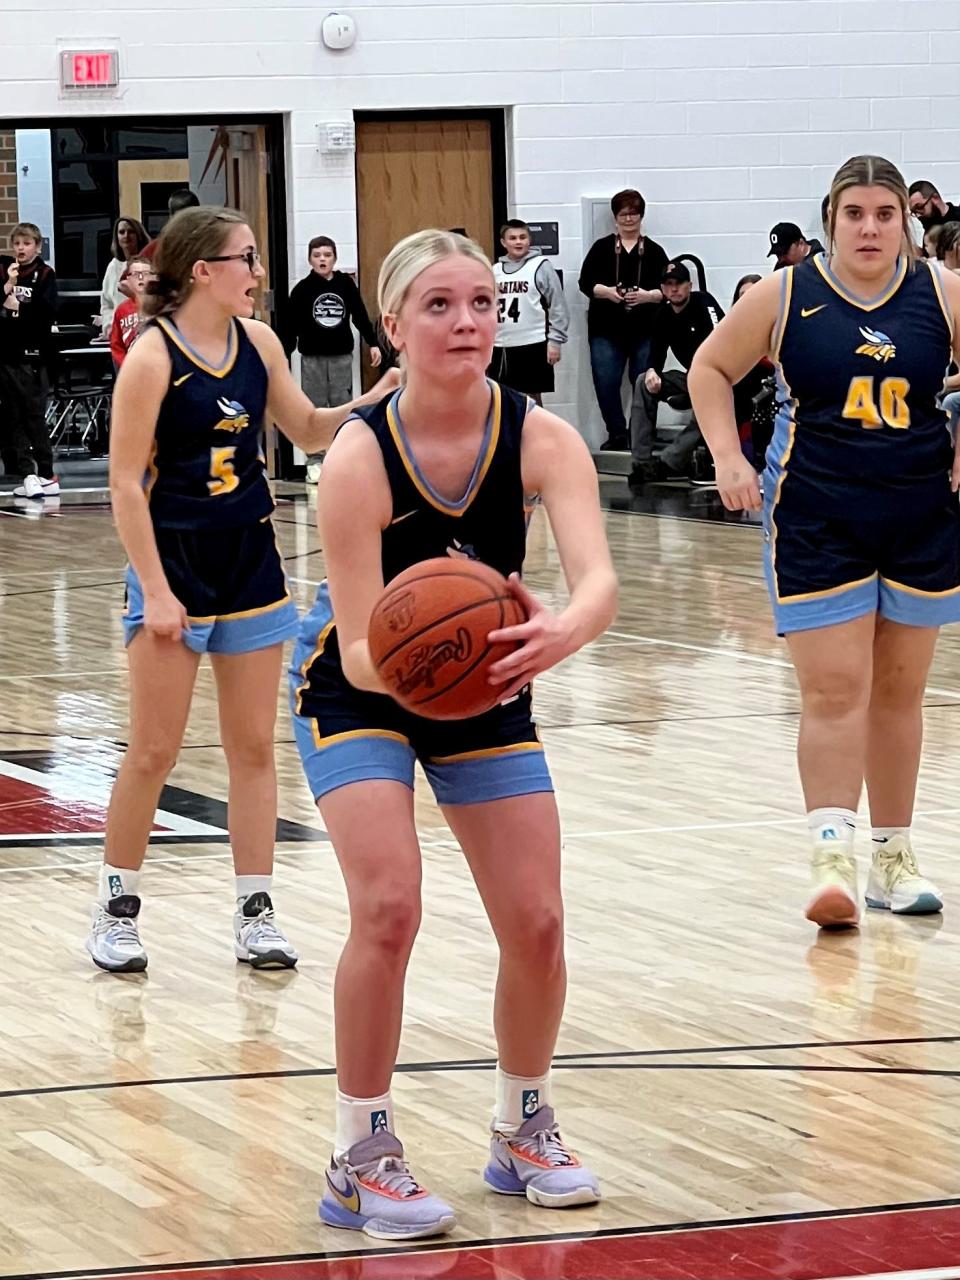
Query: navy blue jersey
{"points": [[207, 470], [487, 523], [858, 385]]}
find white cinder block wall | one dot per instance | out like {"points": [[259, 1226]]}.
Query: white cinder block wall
{"points": [[729, 115]]}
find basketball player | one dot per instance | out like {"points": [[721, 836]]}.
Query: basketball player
{"points": [[861, 516], [192, 507], [441, 469], [533, 318]]}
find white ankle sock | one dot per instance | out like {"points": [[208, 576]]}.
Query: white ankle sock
{"points": [[247, 885], [358, 1118], [518, 1098], [832, 824], [880, 835], [114, 882]]}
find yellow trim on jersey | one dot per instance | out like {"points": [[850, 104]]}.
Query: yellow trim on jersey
{"points": [[252, 613], [898, 279], [916, 591], [780, 327], [170, 330], [153, 471], [941, 297], [487, 753], [410, 464], [827, 591], [351, 735], [308, 663]]}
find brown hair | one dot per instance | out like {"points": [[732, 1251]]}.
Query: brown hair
{"points": [[948, 238], [628, 199], [872, 171], [189, 236], [29, 230], [140, 231], [321, 242]]}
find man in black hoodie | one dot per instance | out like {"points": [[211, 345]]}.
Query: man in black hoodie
{"points": [[322, 305], [29, 305]]}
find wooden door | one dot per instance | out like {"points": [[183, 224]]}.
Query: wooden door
{"points": [[413, 174], [133, 175], [247, 168]]}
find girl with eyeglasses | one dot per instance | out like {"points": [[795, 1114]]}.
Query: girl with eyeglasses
{"points": [[192, 507]]}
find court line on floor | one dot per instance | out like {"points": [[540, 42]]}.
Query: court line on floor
{"points": [[64, 675], [420, 1248], [74, 586], [442, 843], [561, 1062]]}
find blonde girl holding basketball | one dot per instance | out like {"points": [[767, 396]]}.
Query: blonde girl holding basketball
{"points": [[441, 468]]}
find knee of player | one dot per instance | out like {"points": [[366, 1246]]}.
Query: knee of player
{"points": [[387, 920], [154, 758], [898, 688], [252, 754], [836, 691], [535, 937]]}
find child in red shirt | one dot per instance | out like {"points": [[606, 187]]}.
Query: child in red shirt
{"points": [[126, 318]]}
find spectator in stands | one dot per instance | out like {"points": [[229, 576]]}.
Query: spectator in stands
{"points": [[126, 318], [754, 398], [948, 245], [318, 317], [621, 276], [182, 199], [931, 238], [533, 318], [929, 207], [686, 318], [29, 306], [129, 238], [790, 246]]}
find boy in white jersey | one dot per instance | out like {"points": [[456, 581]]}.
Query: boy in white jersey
{"points": [[533, 318]]}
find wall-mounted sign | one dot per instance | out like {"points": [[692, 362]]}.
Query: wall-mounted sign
{"points": [[89, 69], [545, 236]]}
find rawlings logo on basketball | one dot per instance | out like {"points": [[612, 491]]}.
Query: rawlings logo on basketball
{"points": [[399, 612], [426, 662]]}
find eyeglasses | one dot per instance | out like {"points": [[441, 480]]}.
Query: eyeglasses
{"points": [[921, 210], [250, 257]]}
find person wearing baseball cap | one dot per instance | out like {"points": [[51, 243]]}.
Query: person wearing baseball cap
{"points": [[686, 318], [790, 246]]}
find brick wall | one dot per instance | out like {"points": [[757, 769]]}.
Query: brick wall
{"points": [[8, 187]]}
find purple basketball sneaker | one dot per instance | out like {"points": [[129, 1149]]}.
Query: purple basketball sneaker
{"points": [[371, 1189], [534, 1162]]}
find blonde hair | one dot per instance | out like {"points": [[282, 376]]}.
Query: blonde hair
{"points": [[189, 236], [415, 254], [872, 171]]}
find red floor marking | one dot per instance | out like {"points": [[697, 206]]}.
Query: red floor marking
{"points": [[27, 809], [857, 1245]]}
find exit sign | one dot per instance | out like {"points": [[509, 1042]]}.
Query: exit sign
{"points": [[88, 69]]}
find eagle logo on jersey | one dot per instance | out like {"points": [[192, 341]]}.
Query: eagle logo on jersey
{"points": [[462, 551], [235, 416], [877, 345]]}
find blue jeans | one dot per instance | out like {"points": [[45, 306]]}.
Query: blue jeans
{"points": [[608, 360], [950, 404]]}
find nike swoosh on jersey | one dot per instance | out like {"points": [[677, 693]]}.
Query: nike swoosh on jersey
{"points": [[178, 381], [352, 1202], [811, 311], [406, 516]]}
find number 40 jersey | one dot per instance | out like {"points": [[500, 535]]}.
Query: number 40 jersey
{"points": [[207, 469], [858, 384]]}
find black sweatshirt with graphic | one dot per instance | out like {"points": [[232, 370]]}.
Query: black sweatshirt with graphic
{"points": [[318, 317]]}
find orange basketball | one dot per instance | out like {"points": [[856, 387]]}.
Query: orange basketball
{"points": [[428, 636]]}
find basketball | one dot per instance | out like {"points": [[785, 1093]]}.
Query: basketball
{"points": [[428, 637]]}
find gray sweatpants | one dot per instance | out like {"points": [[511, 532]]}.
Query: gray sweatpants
{"points": [[327, 381]]}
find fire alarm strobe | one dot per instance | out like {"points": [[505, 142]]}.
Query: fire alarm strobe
{"points": [[339, 31]]}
